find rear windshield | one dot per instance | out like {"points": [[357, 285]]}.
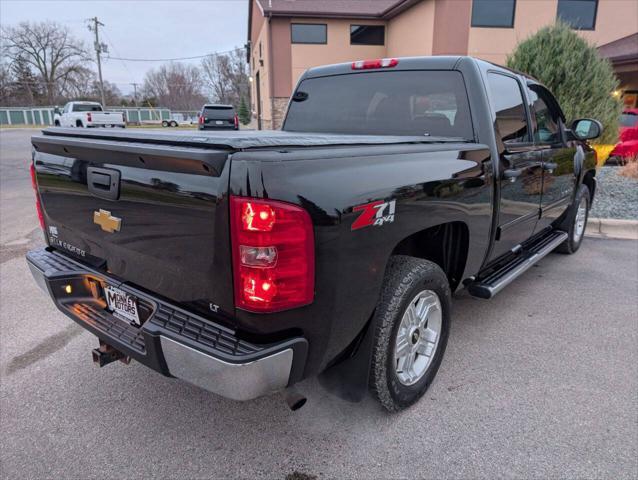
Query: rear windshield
{"points": [[219, 113], [383, 103], [629, 120], [79, 107]]}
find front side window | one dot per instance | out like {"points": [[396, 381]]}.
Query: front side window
{"points": [[367, 34], [415, 103], [580, 14], [547, 129], [309, 33], [509, 107], [493, 13]]}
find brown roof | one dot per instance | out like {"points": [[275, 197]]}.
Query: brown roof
{"points": [[623, 50], [331, 8]]}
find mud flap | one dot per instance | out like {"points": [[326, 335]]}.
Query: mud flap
{"points": [[348, 379]]}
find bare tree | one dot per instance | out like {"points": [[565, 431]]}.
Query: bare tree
{"points": [[226, 77], [48, 49], [175, 85]]}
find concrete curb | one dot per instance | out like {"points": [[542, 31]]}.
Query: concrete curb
{"points": [[612, 228]]}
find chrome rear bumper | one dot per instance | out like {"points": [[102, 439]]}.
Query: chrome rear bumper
{"points": [[171, 340]]}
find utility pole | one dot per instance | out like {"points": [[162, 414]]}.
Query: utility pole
{"points": [[99, 47], [135, 92]]}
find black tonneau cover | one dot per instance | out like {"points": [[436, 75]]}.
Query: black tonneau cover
{"points": [[241, 140]]}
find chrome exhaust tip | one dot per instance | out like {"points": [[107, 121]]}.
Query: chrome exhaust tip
{"points": [[294, 399]]}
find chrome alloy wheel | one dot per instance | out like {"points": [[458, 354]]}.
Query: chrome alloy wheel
{"points": [[580, 220], [418, 337]]}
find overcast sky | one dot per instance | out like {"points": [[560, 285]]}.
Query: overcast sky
{"points": [[142, 28]]}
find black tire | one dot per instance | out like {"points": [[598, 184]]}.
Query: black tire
{"points": [[56, 123], [173, 123], [78, 124], [164, 123], [405, 277], [573, 242]]}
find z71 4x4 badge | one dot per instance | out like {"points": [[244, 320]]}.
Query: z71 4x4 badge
{"points": [[374, 213]]}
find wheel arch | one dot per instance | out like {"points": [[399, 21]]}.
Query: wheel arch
{"points": [[445, 244]]}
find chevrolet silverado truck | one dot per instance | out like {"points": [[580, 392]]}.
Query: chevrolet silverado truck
{"points": [[87, 115], [244, 262]]}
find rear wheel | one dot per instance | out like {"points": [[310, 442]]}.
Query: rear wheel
{"points": [[412, 322], [575, 222], [173, 123], [164, 123]]}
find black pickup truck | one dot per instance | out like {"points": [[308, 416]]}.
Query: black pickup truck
{"points": [[243, 262]]}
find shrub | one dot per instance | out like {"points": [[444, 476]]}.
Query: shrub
{"points": [[582, 81], [243, 113]]}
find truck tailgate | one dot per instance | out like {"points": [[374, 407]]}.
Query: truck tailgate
{"points": [[155, 216]]}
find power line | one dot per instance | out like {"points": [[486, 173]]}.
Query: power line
{"points": [[213, 54]]}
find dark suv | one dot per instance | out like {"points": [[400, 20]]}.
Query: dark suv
{"points": [[218, 117]]}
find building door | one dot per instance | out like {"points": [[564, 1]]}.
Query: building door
{"points": [[258, 90]]}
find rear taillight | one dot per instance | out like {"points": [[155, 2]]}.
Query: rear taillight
{"points": [[236, 118], [273, 255], [38, 206], [376, 63], [88, 117], [201, 119]]}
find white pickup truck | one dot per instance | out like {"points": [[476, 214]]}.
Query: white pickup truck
{"points": [[87, 115]]}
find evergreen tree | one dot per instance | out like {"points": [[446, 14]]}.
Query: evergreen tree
{"points": [[243, 113], [582, 81]]}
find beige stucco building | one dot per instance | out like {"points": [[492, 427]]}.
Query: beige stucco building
{"points": [[285, 37]]}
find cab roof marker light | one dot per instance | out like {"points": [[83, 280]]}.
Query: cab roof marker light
{"points": [[376, 63]]}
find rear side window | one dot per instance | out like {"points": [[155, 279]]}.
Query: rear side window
{"points": [[412, 102], [219, 113], [507, 101]]}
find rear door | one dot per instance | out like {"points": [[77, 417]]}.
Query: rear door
{"points": [[155, 216], [520, 164]]}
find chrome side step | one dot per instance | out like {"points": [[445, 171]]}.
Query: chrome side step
{"points": [[503, 275]]}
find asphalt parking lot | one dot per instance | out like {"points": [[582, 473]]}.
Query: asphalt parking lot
{"points": [[540, 382]]}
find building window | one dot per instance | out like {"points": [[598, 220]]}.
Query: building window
{"points": [[367, 35], [309, 33], [580, 14], [493, 13]]}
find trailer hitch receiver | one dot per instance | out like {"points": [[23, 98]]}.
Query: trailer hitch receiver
{"points": [[106, 354]]}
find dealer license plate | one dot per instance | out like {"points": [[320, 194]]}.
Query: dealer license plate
{"points": [[124, 306]]}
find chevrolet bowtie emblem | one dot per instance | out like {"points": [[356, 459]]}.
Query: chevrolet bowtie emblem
{"points": [[106, 221]]}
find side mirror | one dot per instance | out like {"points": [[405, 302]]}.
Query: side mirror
{"points": [[586, 128], [56, 110]]}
